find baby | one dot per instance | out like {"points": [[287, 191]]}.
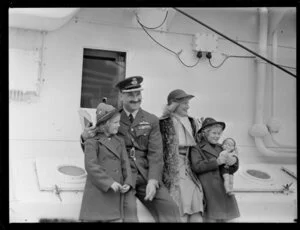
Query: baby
{"points": [[229, 146]]}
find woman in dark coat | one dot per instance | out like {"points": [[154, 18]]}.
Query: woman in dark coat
{"points": [[207, 164], [108, 193]]}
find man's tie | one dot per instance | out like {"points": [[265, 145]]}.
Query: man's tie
{"points": [[131, 118]]}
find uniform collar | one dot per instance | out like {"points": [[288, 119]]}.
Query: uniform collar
{"points": [[138, 117], [133, 113]]}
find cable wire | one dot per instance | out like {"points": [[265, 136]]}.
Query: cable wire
{"points": [[152, 28], [237, 56], [209, 60], [177, 54], [229, 39], [226, 57]]}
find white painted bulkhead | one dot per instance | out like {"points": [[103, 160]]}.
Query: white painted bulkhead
{"points": [[50, 127]]}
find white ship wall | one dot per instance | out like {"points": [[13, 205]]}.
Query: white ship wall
{"points": [[50, 127], [226, 93]]}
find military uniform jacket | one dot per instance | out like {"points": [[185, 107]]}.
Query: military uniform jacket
{"points": [[144, 134], [105, 161]]}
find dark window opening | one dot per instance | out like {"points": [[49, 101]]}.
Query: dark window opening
{"points": [[101, 70]]}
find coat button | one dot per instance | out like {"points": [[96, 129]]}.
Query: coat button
{"points": [[116, 170], [131, 129]]}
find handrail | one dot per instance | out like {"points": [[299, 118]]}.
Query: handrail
{"points": [[264, 190], [290, 173]]}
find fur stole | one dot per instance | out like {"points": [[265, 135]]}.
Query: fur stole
{"points": [[170, 176]]}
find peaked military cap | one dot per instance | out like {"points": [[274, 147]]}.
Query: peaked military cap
{"points": [[130, 84]]}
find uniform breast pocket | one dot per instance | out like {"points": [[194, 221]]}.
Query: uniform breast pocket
{"points": [[142, 136], [142, 132]]}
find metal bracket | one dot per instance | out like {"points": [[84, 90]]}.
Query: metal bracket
{"points": [[57, 191], [286, 188]]}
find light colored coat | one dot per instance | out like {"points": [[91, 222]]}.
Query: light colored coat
{"points": [[171, 172]]}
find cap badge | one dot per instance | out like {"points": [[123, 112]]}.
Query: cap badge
{"points": [[134, 81], [100, 112]]}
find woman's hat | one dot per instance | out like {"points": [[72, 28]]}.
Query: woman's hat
{"points": [[104, 112], [178, 95], [210, 122]]}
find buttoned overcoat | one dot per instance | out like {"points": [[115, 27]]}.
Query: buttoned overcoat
{"points": [[219, 205], [105, 161]]}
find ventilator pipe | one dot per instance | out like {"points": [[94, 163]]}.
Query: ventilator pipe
{"points": [[273, 71], [260, 145], [261, 79], [284, 149], [259, 129], [289, 147], [273, 126], [273, 123]]}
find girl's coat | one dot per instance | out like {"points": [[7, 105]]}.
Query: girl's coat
{"points": [[219, 205], [106, 161]]}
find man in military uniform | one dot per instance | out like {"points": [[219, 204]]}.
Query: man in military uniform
{"points": [[141, 133]]}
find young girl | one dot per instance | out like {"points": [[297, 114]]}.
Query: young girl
{"points": [[229, 146], [206, 162], [108, 193]]}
